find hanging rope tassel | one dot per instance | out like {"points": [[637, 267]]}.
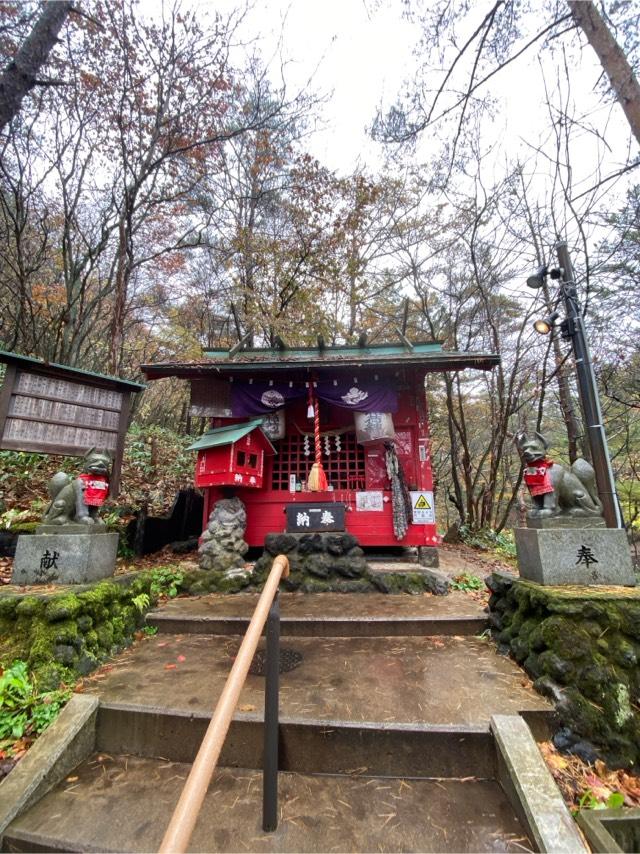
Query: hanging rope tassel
{"points": [[317, 480]]}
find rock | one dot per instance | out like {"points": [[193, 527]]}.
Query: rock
{"points": [[184, 546], [349, 568], [584, 750], [556, 667], [318, 565], [564, 738], [65, 654], [310, 544], [225, 547], [277, 544], [532, 666], [495, 621], [547, 687]]}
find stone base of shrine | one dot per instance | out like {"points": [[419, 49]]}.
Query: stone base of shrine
{"points": [[335, 562], [73, 558], [583, 556]]}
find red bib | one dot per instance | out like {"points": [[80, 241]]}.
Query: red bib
{"points": [[537, 477], [95, 489]]}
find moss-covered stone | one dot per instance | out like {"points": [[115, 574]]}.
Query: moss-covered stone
{"points": [[62, 608], [104, 632], [582, 648], [566, 637], [29, 606], [558, 668], [8, 605]]}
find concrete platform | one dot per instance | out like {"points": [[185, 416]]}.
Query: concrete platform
{"points": [[328, 614], [125, 802], [448, 680]]}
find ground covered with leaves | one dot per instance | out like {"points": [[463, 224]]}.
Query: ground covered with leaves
{"points": [[586, 786]]}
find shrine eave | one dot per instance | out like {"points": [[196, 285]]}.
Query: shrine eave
{"points": [[428, 356]]}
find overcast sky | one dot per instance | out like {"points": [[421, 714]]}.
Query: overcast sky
{"points": [[361, 52]]}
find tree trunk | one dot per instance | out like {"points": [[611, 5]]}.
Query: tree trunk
{"points": [[21, 74], [612, 59]]}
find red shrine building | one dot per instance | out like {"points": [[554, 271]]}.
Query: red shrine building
{"points": [[320, 438]]}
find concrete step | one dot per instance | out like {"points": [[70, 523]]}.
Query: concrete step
{"points": [[123, 803], [328, 614], [306, 746], [384, 681]]}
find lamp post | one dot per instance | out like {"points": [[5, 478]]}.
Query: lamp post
{"points": [[574, 330]]}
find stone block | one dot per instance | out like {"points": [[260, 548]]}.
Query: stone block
{"points": [[64, 558], [66, 743], [531, 789], [428, 556], [582, 556]]}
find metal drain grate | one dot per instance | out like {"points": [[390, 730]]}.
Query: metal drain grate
{"points": [[289, 660]]}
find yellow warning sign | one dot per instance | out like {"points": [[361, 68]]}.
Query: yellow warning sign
{"points": [[423, 507]]}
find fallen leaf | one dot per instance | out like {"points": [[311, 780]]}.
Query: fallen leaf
{"points": [[181, 658], [170, 666], [247, 707]]}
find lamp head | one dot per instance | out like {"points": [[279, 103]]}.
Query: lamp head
{"points": [[537, 279], [544, 325]]}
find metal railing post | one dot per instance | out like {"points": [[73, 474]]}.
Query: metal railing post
{"points": [[271, 711]]}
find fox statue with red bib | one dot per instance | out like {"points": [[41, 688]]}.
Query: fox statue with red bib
{"points": [[78, 500], [557, 490]]}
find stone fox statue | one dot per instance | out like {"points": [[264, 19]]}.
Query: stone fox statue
{"points": [[77, 500], [555, 489]]}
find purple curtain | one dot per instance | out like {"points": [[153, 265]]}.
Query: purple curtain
{"points": [[258, 398], [360, 397]]}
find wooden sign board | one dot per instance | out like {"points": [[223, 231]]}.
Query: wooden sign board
{"points": [[53, 409], [329, 516]]}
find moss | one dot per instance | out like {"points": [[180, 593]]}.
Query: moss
{"points": [[104, 632], [617, 706], [8, 605], [556, 667], [96, 602], [85, 623], [62, 608], [29, 606], [566, 638], [49, 676], [119, 632], [91, 639], [630, 619]]}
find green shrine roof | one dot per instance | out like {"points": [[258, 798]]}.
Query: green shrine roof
{"points": [[238, 360], [226, 435]]}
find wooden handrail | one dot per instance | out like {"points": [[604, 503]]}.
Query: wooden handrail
{"points": [[186, 813]]}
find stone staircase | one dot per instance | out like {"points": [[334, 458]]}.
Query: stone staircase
{"points": [[385, 742]]}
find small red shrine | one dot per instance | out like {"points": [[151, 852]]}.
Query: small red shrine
{"points": [[321, 438]]}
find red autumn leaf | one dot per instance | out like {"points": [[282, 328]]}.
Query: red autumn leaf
{"points": [[170, 666]]}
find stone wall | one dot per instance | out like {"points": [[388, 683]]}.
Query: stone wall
{"points": [[581, 646], [317, 562]]}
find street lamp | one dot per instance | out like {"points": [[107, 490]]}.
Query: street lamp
{"points": [[572, 328]]}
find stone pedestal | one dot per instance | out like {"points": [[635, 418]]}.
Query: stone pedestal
{"points": [[583, 556], [61, 558]]}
